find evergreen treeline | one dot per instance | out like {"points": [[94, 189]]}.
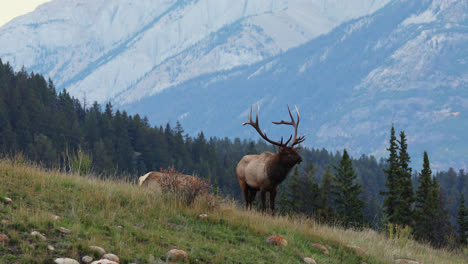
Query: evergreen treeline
{"points": [[58, 130]]}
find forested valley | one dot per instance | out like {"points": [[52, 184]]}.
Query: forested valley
{"points": [[62, 132]]}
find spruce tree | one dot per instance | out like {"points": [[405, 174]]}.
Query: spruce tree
{"points": [[403, 212], [325, 188], [390, 202], [426, 202], [348, 205], [462, 221], [311, 192], [293, 191]]}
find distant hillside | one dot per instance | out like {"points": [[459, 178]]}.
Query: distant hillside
{"points": [[141, 227]]}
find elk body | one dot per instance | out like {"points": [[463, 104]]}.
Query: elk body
{"points": [[264, 172]]}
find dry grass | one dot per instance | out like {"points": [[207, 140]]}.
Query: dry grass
{"points": [[153, 224]]}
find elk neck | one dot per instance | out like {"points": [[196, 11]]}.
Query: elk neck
{"points": [[278, 168]]}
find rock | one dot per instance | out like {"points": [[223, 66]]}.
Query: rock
{"points": [[8, 200], [176, 255], [277, 240], [50, 247], [309, 261], [39, 235], [408, 261], [112, 257], [64, 230], [86, 259], [4, 238], [119, 227], [321, 247], [98, 250], [55, 217], [6, 221], [104, 261], [202, 216], [65, 261]]}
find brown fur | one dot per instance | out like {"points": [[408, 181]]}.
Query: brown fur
{"points": [[264, 173]]}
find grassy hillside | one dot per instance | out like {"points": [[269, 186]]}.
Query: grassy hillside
{"points": [[140, 226]]}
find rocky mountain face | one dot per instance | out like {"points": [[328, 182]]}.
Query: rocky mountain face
{"points": [[126, 50], [406, 64], [352, 67]]}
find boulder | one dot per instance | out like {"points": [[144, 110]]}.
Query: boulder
{"points": [[277, 240], [86, 259], [65, 261], [202, 216], [64, 230], [4, 239], [177, 255], [104, 261], [112, 257], [321, 247], [309, 261], [39, 235], [98, 250], [408, 261]]}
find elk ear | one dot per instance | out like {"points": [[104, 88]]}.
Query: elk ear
{"points": [[297, 149]]}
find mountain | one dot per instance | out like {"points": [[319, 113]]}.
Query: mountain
{"points": [[406, 65], [126, 50], [352, 68]]}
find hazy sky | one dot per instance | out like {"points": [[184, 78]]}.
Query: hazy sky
{"points": [[10, 9]]}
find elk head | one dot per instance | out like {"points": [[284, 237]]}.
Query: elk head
{"points": [[288, 154]]}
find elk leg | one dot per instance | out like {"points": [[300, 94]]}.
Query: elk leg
{"points": [[252, 193], [245, 190], [263, 197], [272, 200]]}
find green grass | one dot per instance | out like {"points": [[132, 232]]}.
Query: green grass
{"points": [[152, 224]]}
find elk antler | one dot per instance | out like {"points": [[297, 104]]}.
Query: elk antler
{"points": [[293, 123], [263, 135]]}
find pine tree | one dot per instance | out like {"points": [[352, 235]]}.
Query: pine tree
{"points": [[346, 192], [462, 221], [311, 191], [403, 212], [390, 202]]}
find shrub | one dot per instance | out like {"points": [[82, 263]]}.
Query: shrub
{"points": [[185, 187]]}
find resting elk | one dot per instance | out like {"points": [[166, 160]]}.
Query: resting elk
{"points": [[266, 171]]}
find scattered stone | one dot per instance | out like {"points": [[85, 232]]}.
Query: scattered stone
{"points": [[112, 257], [8, 200], [309, 261], [97, 249], [176, 255], [39, 235], [50, 247], [119, 227], [202, 216], [86, 259], [104, 261], [277, 240], [408, 261], [65, 261], [6, 221], [64, 230], [55, 217], [4, 238], [321, 247]]}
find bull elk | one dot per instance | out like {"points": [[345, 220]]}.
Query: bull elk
{"points": [[266, 171]]}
